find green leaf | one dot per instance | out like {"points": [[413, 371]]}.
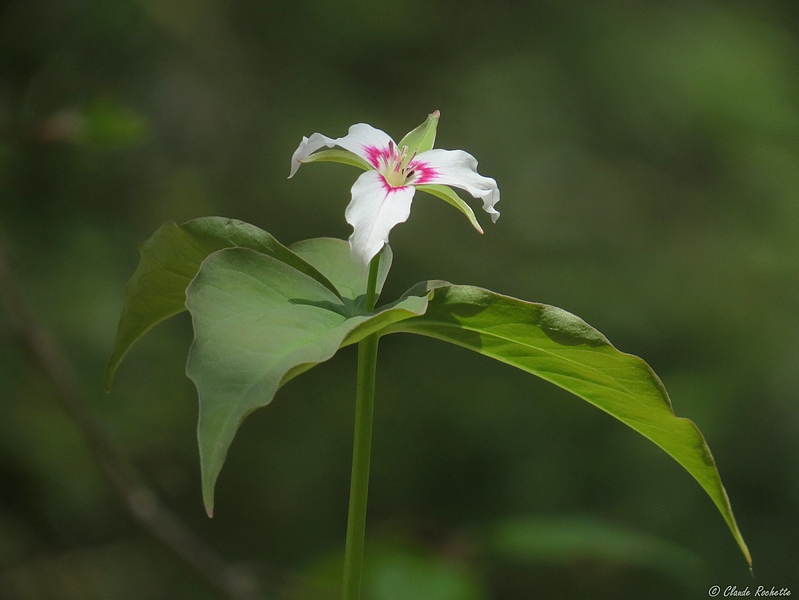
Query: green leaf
{"points": [[399, 571], [397, 567], [423, 137], [108, 124], [450, 197], [339, 156], [568, 540], [332, 258], [169, 261], [257, 323], [562, 348]]}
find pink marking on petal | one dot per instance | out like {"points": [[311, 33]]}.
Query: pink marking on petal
{"points": [[423, 173], [374, 154]]}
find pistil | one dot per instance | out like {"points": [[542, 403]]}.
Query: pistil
{"points": [[394, 165]]}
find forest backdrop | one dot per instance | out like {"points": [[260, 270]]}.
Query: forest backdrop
{"points": [[648, 159]]}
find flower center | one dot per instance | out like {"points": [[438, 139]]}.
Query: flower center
{"points": [[395, 166]]}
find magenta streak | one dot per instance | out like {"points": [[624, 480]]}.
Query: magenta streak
{"points": [[422, 172], [374, 154]]}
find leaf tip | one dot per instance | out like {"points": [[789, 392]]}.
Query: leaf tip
{"points": [[207, 490], [108, 378], [748, 557], [208, 503]]}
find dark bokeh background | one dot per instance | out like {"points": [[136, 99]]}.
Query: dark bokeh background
{"points": [[648, 158]]}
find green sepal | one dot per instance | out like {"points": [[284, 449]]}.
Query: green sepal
{"points": [[422, 138], [169, 261], [450, 197], [339, 156], [563, 349]]}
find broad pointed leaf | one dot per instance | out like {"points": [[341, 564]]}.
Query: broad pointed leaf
{"points": [[562, 348], [258, 322], [169, 261]]}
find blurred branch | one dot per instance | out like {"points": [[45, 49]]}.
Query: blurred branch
{"points": [[137, 497]]}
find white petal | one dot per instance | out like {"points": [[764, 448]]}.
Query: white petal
{"points": [[458, 169], [363, 140], [307, 147], [374, 209]]}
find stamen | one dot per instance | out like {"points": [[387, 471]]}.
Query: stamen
{"points": [[394, 164]]}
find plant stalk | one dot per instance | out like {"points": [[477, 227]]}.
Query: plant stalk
{"points": [[362, 450]]}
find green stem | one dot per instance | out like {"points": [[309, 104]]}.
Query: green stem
{"points": [[361, 450]]}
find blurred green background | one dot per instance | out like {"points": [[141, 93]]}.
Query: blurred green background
{"points": [[648, 158]]}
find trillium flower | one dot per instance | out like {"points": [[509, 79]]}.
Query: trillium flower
{"points": [[382, 196]]}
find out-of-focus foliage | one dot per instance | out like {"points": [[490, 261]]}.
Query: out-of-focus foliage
{"points": [[648, 157]]}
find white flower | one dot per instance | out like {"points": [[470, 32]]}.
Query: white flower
{"points": [[382, 196]]}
